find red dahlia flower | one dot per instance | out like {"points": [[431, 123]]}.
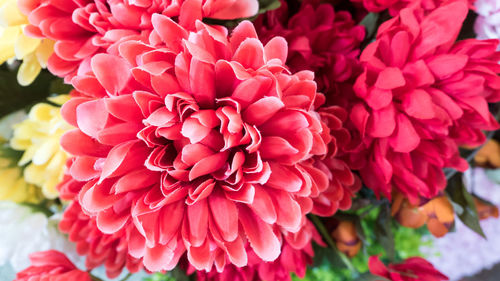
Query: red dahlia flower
{"points": [[51, 265], [420, 96], [84, 28], [319, 39], [395, 6], [201, 142], [297, 253], [412, 269], [110, 250]]}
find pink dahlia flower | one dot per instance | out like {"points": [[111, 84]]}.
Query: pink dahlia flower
{"points": [[51, 265], [412, 269], [420, 96], [319, 39], [199, 142], [297, 253], [110, 250], [84, 28]]}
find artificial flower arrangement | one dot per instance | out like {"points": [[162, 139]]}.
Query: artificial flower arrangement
{"points": [[241, 139]]}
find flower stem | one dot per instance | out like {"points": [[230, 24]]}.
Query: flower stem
{"points": [[326, 236], [127, 277]]}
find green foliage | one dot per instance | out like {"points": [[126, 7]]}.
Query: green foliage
{"points": [[467, 212], [175, 275], [406, 243], [370, 24], [268, 5], [14, 97]]}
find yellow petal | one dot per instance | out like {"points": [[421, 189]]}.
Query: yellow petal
{"points": [[60, 99], [44, 51], [10, 14], [8, 37], [25, 46], [29, 70]]}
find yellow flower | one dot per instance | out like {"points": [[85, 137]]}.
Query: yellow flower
{"points": [[13, 186], [14, 43], [38, 136]]}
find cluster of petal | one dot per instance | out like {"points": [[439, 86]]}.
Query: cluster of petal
{"points": [[51, 265], [346, 238], [14, 43], [395, 6], [25, 231], [296, 254], [38, 136], [419, 97], [319, 39], [412, 269], [436, 213], [99, 248], [14, 187], [487, 25], [82, 29], [201, 141]]}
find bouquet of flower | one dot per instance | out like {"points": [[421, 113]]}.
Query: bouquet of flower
{"points": [[241, 139]]}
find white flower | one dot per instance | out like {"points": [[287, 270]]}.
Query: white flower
{"points": [[487, 24], [24, 232]]}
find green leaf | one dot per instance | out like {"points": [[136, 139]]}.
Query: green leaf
{"points": [[58, 87], [370, 24], [175, 275], [268, 5], [370, 277], [14, 97], [383, 231], [326, 236], [459, 195]]}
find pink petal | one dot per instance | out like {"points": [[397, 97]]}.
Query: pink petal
{"points": [[91, 117], [236, 252], [284, 178], [390, 78], [230, 9], [289, 212], [79, 144], [419, 104], [122, 158], [250, 53], [260, 235], [405, 138], [276, 48], [262, 110], [197, 216], [208, 165], [112, 72], [225, 215], [263, 205], [155, 258], [109, 222], [241, 32], [124, 108]]}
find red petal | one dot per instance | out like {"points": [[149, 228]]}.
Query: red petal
{"points": [[260, 235], [390, 78]]}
